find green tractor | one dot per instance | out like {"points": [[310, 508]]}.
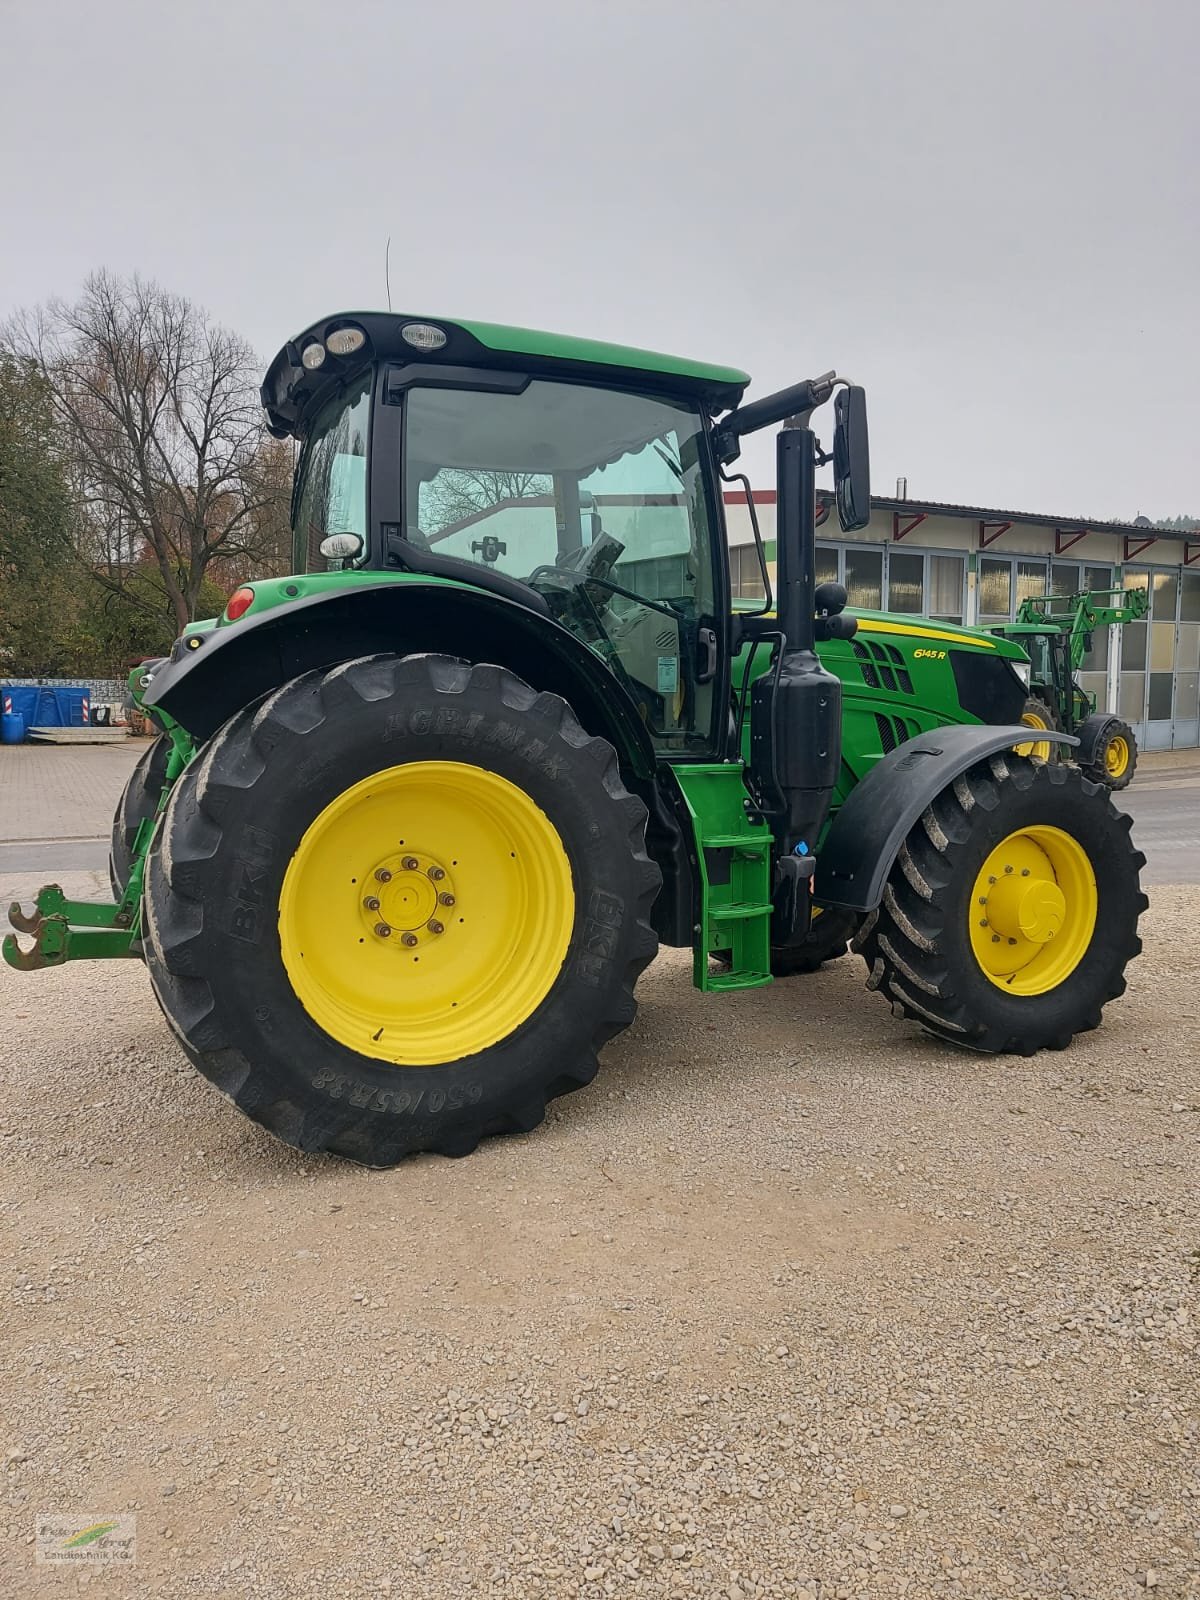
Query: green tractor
{"points": [[1056, 632], [423, 811]]}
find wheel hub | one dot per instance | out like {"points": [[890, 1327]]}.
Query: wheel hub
{"points": [[1026, 908], [409, 894]]}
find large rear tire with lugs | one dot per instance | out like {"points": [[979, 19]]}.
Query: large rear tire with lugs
{"points": [[400, 906], [1011, 912], [139, 800]]}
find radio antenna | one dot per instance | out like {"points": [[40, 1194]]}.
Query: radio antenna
{"points": [[387, 269]]}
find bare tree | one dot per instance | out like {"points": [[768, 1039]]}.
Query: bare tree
{"points": [[169, 450]]}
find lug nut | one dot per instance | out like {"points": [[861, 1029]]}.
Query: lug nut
{"points": [[437, 874], [410, 863], [409, 939], [435, 926], [382, 929], [383, 875], [446, 899], [372, 902]]}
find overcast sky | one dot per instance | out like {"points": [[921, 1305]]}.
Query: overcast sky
{"points": [[988, 211]]}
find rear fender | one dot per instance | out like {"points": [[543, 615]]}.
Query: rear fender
{"points": [[214, 674], [865, 837]]}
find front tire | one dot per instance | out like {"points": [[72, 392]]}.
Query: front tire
{"points": [[399, 907], [1011, 912], [1115, 761]]}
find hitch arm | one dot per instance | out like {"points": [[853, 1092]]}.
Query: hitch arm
{"points": [[68, 930]]}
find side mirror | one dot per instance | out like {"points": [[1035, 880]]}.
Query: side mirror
{"points": [[851, 458]]}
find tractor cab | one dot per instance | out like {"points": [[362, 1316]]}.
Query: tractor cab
{"points": [[550, 472]]}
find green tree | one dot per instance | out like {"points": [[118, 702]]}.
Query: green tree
{"points": [[42, 591]]}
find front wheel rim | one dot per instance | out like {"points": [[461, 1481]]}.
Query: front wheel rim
{"points": [[1039, 749], [1116, 756], [426, 913], [1033, 910]]}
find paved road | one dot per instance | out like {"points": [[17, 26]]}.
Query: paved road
{"points": [[56, 806], [1165, 806]]}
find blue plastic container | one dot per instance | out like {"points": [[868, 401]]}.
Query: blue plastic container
{"points": [[12, 728]]}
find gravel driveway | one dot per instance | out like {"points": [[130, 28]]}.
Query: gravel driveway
{"points": [[794, 1302]]}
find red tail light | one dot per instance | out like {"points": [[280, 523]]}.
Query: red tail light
{"points": [[240, 602]]}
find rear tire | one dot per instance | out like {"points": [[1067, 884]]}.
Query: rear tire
{"points": [[139, 800], [920, 945], [255, 926], [1115, 761]]}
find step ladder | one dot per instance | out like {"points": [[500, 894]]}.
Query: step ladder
{"points": [[735, 878]]}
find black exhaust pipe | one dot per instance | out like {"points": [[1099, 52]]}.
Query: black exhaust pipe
{"points": [[796, 707]]}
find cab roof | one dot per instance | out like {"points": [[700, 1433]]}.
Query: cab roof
{"points": [[290, 391]]}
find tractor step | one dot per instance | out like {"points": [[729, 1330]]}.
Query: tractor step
{"points": [[735, 879], [738, 910]]}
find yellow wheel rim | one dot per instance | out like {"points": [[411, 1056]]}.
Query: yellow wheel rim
{"points": [[426, 913], [1039, 749], [1116, 756], [1033, 910]]}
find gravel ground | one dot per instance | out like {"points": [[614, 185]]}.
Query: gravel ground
{"points": [[793, 1302]]}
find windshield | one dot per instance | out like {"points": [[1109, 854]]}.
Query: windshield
{"points": [[331, 488], [594, 497]]}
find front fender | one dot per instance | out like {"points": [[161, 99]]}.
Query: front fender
{"points": [[1093, 735], [865, 838], [216, 673]]}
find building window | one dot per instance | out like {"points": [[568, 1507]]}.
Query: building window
{"points": [[1064, 577], [906, 581], [1097, 577], [1031, 579], [995, 590], [944, 587], [864, 579], [745, 574], [828, 564]]}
